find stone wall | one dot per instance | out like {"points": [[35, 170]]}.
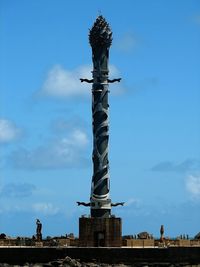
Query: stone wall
{"points": [[129, 242], [138, 242]]}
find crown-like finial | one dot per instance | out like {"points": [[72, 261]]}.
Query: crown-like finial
{"points": [[100, 34]]}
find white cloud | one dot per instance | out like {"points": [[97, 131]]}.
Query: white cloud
{"points": [[61, 125], [45, 208], [39, 208], [8, 131], [62, 152], [132, 202], [14, 207], [61, 82], [187, 165], [193, 185], [20, 190], [126, 43], [78, 137]]}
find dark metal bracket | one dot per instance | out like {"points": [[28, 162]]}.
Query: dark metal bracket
{"points": [[117, 204], [83, 204], [86, 80], [92, 80], [114, 80]]}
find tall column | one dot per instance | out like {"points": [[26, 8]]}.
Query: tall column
{"points": [[100, 229], [100, 38]]}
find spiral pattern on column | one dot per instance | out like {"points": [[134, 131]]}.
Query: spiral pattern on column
{"points": [[100, 38], [100, 180]]}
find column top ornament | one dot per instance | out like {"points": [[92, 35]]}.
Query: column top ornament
{"points": [[100, 35]]}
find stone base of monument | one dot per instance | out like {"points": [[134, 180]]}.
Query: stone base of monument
{"points": [[100, 232]]}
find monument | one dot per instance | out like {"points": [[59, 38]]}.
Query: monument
{"points": [[101, 228], [38, 230]]}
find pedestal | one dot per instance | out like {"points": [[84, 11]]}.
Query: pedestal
{"points": [[100, 232]]}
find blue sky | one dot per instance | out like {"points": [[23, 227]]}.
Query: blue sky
{"points": [[45, 114]]}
